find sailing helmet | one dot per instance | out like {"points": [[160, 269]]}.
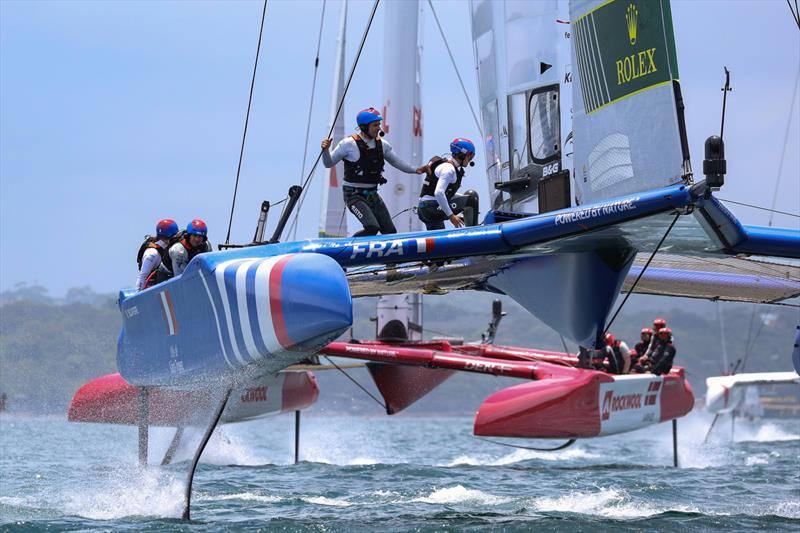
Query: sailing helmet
{"points": [[368, 116], [197, 227], [461, 147], [166, 227], [665, 334], [648, 332], [610, 339], [659, 323]]}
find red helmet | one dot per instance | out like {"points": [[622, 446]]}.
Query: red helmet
{"points": [[633, 352], [659, 323], [610, 339], [664, 334], [648, 332]]}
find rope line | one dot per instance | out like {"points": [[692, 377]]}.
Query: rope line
{"points": [[246, 121], [310, 107], [368, 393], [453, 61], [644, 268], [762, 208], [310, 175], [785, 142]]}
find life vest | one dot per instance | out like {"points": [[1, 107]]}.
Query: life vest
{"points": [[150, 242], [191, 250], [369, 167], [430, 181]]}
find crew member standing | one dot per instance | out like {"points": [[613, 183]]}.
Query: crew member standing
{"points": [[364, 154], [439, 199]]}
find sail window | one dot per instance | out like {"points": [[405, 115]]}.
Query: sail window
{"points": [[535, 125], [543, 126]]}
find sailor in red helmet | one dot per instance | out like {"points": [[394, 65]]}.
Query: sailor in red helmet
{"points": [[194, 242], [364, 154], [663, 354], [439, 199], [641, 349], [658, 324], [153, 252], [618, 355]]}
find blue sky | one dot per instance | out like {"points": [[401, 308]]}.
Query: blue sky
{"points": [[115, 114]]}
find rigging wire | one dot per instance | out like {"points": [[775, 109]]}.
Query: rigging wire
{"points": [[795, 12], [772, 211], [310, 108], [644, 268], [455, 67], [310, 175], [246, 121], [762, 208], [785, 141], [360, 386]]}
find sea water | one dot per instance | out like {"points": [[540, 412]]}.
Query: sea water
{"points": [[398, 474]]}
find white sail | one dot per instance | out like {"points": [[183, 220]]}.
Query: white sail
{"points": [[333, 219], [521, 54], [628, 123], [402, 122]]}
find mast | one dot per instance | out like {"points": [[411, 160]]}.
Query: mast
{"points": [[402, 122], [333, 220], [522, 59]]}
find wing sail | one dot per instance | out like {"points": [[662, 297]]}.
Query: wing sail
{"points": [[629, 131]]}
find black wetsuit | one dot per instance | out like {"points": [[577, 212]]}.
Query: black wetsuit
{"points": [[662, 357]]}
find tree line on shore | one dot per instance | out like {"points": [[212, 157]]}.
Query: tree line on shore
{"points": [[50, 346]]}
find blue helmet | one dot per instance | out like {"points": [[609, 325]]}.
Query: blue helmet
{"points": [[368, 116], [166, 227], [460, 146], [197, 227]]}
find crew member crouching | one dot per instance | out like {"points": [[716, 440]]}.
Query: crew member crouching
{"points": [[663, 353], [618, 355], [438, 199], [194, 242], [153, 253]]}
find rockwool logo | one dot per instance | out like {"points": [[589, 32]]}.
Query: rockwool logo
{"points": [[613, 403], [256, 394]]}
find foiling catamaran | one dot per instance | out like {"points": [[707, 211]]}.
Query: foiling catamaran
{"points": [[589, 110]]}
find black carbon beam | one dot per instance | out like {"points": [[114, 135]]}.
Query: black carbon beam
{"points": [[173, 446], [296, 436], [675, 442], [144, 424], [199, 452]]}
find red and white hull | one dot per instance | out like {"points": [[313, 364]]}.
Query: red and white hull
{"points": [[112, 400], [590, 404]]}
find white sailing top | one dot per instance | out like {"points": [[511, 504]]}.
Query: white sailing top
{"points": [[348, 149], [446, 174], [150, 261]]}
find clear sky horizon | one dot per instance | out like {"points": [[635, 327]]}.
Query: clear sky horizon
{"points": [[116, 114]]}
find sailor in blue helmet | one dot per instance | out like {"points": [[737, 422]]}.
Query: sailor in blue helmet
{"points": [[364, 154], [194, 242], [439, 199], [153, 252]]}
